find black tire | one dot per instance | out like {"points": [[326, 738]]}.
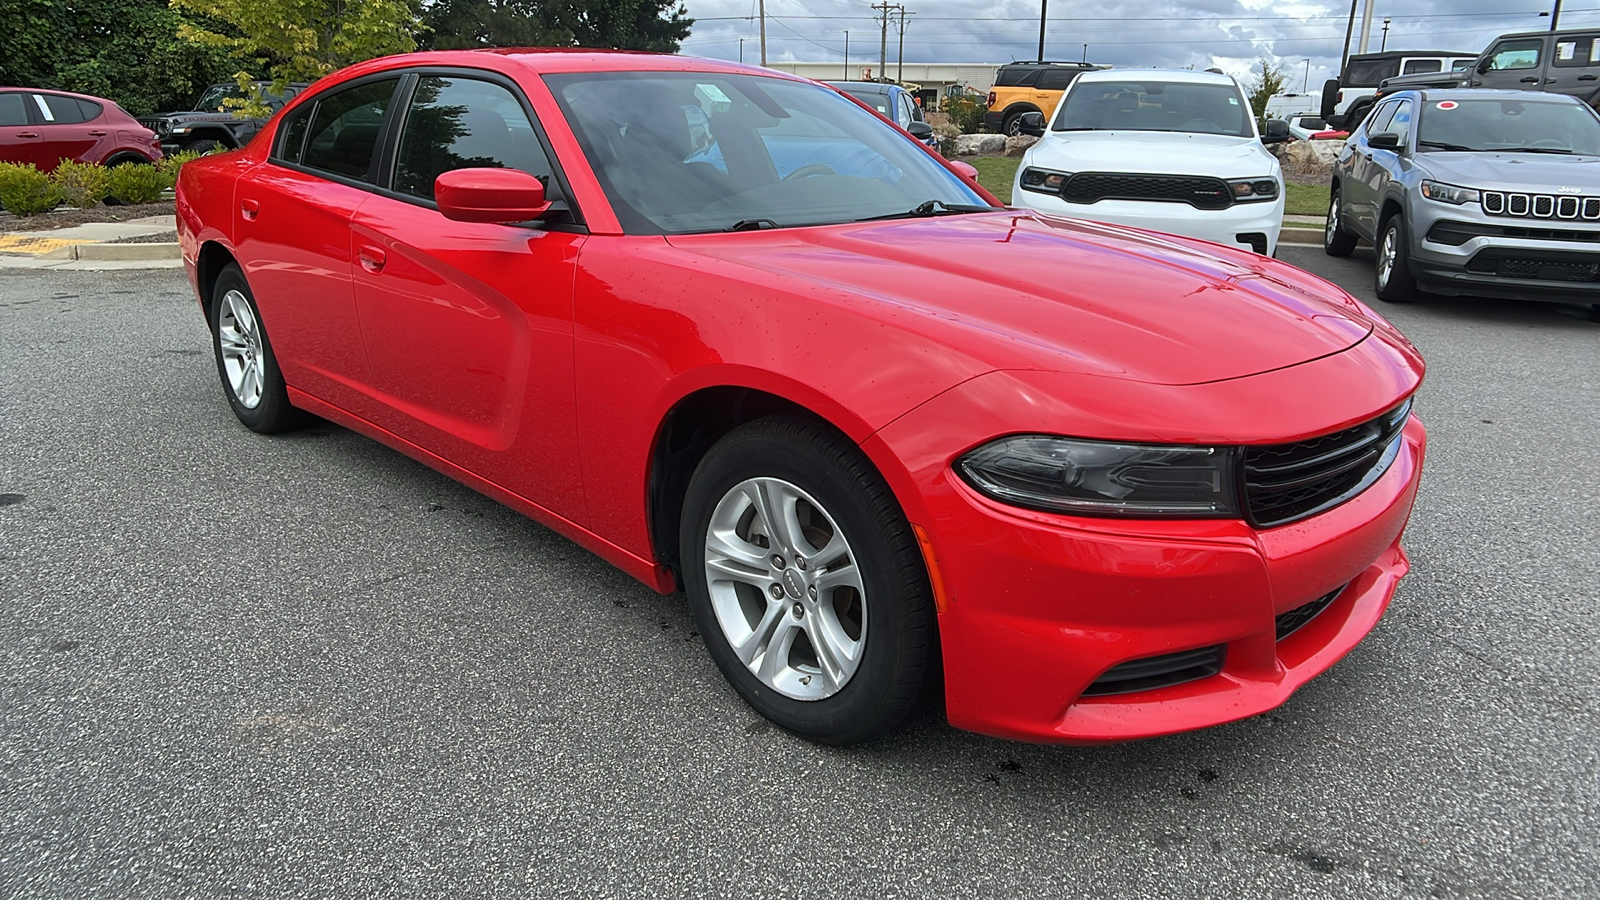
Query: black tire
{"points": [[1011, 125], [1397, 285], [1336, 241], [271, 412], [897, 639], [201, 146]]}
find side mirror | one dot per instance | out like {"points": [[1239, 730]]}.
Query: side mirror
{"points": [[1031, 123], [1275, 131], [1385, 141], [1330, 97], [499, 196], [965, 170], [1483, 66], [920, 130]]}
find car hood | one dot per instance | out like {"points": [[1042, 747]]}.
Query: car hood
{"points": [[1515, 171], [1018, 290], [1153, 151]]}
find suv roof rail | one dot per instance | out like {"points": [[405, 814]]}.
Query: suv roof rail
{"points": [[1052, 62]]}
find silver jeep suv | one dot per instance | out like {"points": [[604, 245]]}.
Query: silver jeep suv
{"points": [[1490, 193]]}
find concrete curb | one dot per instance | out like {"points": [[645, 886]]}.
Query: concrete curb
{"points": [[116, 252]]}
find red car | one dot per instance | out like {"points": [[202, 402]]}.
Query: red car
{"points": [[738, 336], [45, 127]]}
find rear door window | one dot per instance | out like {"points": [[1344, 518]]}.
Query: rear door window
{"points": [[1422, 66], [1574, 52], [58, 110], [344, 130], [1056, 79], [459, 123]]}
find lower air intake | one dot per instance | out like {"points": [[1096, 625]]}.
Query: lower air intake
{"points": [[1158, 672]]}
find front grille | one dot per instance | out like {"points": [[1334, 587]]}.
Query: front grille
{"points": [[1295, 619], [1573, 268], [1286, 482], [1540, 206], [1158, 672], [1457, 233], [1196, 190]]}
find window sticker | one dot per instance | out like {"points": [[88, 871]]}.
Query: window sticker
{"points": [[1566, 49], [1446, 105], [1233, 101], [44, 108]]}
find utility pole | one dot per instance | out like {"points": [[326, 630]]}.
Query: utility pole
{"points": [[883, 35], [847, 54], [741, 51], [900, 66], [1043, 6], [1385, 45], [1344, 59], [1366, 26], [1305, 86], [763, 4], [1555, 15]]}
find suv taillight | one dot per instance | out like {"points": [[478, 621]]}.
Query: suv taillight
{"points": [[991, 98]]}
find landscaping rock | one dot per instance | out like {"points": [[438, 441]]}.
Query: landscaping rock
{"points": [[980, 144], [1019, 144], [1309, 157]]}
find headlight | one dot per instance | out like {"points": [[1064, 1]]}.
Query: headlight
{"points": [[181, 129], [1043, 180], [1448, 193], [1098, 478], [1246, 189]]}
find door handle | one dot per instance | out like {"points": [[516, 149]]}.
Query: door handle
{"points": [[1530, 80], [27, 134], [249, 209], [372, 258], [1586, 78], [98, 133]]}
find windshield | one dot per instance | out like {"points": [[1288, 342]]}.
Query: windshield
{"points": [[877, 101], [211, 100], [680, 153], [1154, 106], [1509, 125]]}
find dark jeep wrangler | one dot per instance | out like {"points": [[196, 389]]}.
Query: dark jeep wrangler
{"points": [[210, 125]]}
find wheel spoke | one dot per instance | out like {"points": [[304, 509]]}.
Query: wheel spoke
{"points": [[833, 647], [776, 657], [761, 636], [729, 555], [844, 576], [777, 507], [836, 550]]}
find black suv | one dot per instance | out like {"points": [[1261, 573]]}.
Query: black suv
{"points": [[210, 125], [1025, 87]]}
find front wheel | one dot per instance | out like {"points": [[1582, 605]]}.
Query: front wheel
{"points": [[1392, 279], [1336, 241], [806, 582], [250, 377]]}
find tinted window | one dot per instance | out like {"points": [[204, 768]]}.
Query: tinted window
{"points": [[89, 109], [58, 110], [1015, 76], [1523, 54], [292, 133], [462, 123], [1419, 66], [13, 109], [345, 129], [1368, 72], [701, 152], [1574, 52], [1154, 106], [1056, 79], [877, 101], [1311, 123]]}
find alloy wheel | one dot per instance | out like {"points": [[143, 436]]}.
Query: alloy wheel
{"points": [[1386, 254], [785, 588], [239, 338]]}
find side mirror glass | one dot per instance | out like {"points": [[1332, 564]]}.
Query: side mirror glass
{"points": [[500, 196], [1385, 141], [920, 130], [1031, 123], [1483, 66]]}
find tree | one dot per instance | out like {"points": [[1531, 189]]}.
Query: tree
{"points": [[125, 50], [1266, 85], [302, 40], [620, 24]]}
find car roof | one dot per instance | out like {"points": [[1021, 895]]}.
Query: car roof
{"points": [[1429, 95], [1402, 54], [550, 61], [865, 87], [35, 90], [1169, 76], [1565, 32]]}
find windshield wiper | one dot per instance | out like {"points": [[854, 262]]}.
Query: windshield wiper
{"points": [[930, 208], [752, 225], [1441, 145], [1535, 150]]}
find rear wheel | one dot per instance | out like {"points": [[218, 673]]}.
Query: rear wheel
{"points": [[1335, 240], [1012, 126], [250, 377], [1392, 279], [806, 582], [202, 146]]}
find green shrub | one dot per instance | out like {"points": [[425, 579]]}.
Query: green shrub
{"points": [[137, 183], [26, 191], [966, 111], [173, 163], [82, 185]]}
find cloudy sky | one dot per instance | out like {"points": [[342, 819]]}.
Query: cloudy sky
{"points": [[1231, 34]]}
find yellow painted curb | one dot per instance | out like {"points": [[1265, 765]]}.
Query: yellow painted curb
{"points": [[21, 243]]}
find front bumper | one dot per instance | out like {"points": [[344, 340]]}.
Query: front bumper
{"points": [[1240, 225], [1041, 606], [1546, 268]]}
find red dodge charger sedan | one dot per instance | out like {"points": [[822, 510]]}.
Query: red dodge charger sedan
{"points": [[745, 339]]}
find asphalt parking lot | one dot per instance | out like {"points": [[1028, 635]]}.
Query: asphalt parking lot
{"points": [[306, 666]]}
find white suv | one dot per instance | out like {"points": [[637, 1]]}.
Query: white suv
{"points": [[1171, 151]]}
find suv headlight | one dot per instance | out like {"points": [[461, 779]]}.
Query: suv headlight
{"points": [[1102, 478], [1449, 193], [1043, 181], [1247, 189]]}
